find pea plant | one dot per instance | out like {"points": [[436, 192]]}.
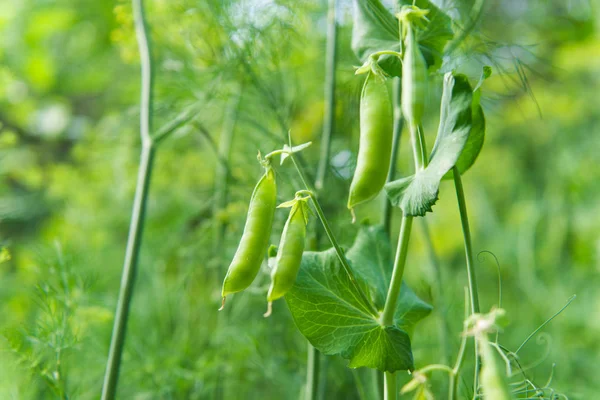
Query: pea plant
{"points": [[354, 303]]}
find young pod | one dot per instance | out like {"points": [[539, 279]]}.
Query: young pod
{"points": [[289, 254], [414, 79], [255, 239], [493, 375], [375, 147]]}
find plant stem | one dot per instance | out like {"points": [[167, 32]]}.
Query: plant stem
{"points": [[312, 373], [398, 123], [329, 112], [387, 317], [444, 330], [473, 292], [136, 226], [389, 386], [453, 385]]}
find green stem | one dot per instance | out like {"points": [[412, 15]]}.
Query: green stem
{"points": [[453, 387], [390, 389], [398, 122], [440, 303], [329, 116], [391, 301], [136, 226], [312, 373], [473, 292]]}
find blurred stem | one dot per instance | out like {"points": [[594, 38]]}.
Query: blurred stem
{"points": [[136, 226], [222, 169], [312, 373], [453, 387], [329, 112], [473, 292], [389, 386], [444, 330], [398, 123]]}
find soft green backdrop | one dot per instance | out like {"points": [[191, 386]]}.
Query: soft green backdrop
{"points": [[69, 147]]}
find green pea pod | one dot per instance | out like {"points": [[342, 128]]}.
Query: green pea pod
{"points": [[414, 79], [289, 255], [255, 239], [493, 376], [375, 147]]}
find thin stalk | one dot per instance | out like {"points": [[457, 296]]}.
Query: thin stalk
{"points": [[136, 226], [329, 116], [391, 301], [398, 123], [222, 169], [473, 292], [453, 387], [312, 373], [390, 388], [444, 331]]}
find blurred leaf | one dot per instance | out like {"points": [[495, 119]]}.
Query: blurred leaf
{"points": [[376, 29], [330, 313], [416, 194]]}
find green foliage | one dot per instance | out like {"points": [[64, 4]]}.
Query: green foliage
{"points": [[330, 313], [69, 147], [416, 194]]}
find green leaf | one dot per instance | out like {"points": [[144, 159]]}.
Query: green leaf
{"points": [[376, 29], [416, 194], [330, 313], [438, 33], [477, 135]]}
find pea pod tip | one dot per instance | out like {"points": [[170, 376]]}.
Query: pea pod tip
{"points": [[222, 303], [269, 310]]}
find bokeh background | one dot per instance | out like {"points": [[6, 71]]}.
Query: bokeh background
{"points": [[252, 70]]}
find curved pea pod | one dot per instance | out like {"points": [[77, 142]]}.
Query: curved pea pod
{"points": [[289, 255], [255, 239], [375, 147], [493, 375], [414, 79]]}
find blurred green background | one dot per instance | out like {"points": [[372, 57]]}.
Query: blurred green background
{"points": [[252, 70]]}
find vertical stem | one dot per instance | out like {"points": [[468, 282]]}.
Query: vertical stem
{"points": [[329, 115], [398, 122], [387, 317], [222, 168], [136, 226], [390, 389], [473, 292], [444, 330], [312, 373]]}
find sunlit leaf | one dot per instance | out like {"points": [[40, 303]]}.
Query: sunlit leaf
{"points": [[331, 314], [416, 194]]}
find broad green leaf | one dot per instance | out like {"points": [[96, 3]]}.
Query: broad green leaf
{"points": [[416, 194], [438, 33], [376, 29], [330, 313], [477, 135]]}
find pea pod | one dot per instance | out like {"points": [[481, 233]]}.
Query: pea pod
{"points": [[493, 376], [289, 255], [375, 147], [414, 78], [255, 239]]}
